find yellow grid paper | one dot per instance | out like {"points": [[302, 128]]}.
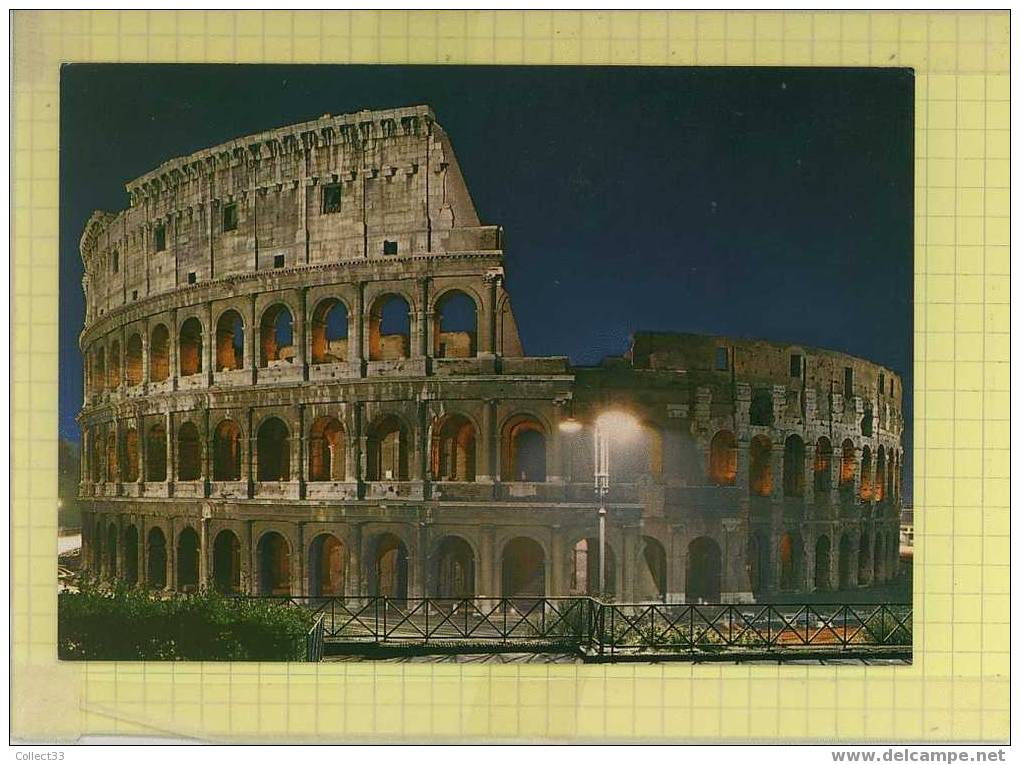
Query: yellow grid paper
{"points": [[958, 686]]}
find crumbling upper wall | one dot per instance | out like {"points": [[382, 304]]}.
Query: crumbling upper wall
{"points": [[365, 186]]}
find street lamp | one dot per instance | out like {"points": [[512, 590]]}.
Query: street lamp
{"points": [[608, 425]]}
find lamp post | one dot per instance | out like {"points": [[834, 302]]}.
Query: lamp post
{"points": [[606, 424]]}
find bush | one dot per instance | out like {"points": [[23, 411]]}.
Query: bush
{"points": [[130, 624]]}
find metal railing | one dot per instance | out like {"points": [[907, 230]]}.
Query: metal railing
{"points": [[606, 630]]}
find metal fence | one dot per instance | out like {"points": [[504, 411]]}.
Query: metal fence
{"points": [[606, 630], [315, 640]]}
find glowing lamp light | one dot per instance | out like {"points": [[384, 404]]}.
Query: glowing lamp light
{"points": [[619, 424], [570, 425]]}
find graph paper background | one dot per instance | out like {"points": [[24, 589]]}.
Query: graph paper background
{"points": [[957, 688]]}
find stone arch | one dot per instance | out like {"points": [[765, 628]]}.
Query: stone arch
{"points": [[187, 559], [652, 572], [866, 485], [113, 370], [276, 336], [330, 331], [189, 347], [327, 566], [156, 559], [189, 452], [227, 562], [272, 449], [273, 559], [388, 449], [453, 455], [159, 353], [155, 453], [791, 561], [584, 568], [879, 482], [133, 367], [454, 568], [722, 460], [793, 466], [327, 450], [229, 341], [456, 328], [823, 563], [848, 465], [762, 411], [760, 472], [522, 568], [131, 455], [227, 451], [524, 449], [389, 328], [704, 571], [388, 566], [823, 466], [130, 537]]}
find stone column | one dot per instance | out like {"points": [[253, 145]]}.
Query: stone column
{"points": [[735, 586], [208, 343], [142, 455], [248, 583], [677, 572], [203, 555], [172, 350], [249, 461], [557, 585], [356, 333], [143, 541], [489, 565], [353, 582], [491, 344], [171, 554], [631, 563], [420, 331], [251, 340], [300, 332], [171, 462], [298, 579], [297, 452], [809, 563]]}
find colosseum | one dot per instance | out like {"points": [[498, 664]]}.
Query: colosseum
{"points": [[303, 375]]}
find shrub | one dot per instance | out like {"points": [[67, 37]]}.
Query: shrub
{"points": [[129, 624]]}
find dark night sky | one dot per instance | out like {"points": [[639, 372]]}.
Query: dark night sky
{"points": [[771, 203]]}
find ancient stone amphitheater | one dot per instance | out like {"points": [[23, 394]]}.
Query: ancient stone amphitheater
{"points": [[303, 375]]}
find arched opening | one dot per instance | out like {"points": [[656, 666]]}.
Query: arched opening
{"points": [[190, 347], [276, 337], [327, 451], [131, 555], [155, 572], [584, 570], [326, 565], [155, 453], [389, 568], [760, 473], [758, 563], [847, 466], [823, 466], [99, 370], [879, 485], [704, 571], [823, 564], [793, 467], [722, 461], [227, 562], [864, 560], [329, 332], [133, 369], [274, 564], [111, 552], [866, 487], [130, 455], [846, 561], [112, 462], [790, 562], [389, 329], [189, 453], [651, 584], [523, 569], [387, 450], [453, 450], [761, 408], [524, 451], [229, 341], [159, 354], [113, 371], [455, 569], [187, 560], [456, 326], [227, 452], [273, 450], [879, 563]]}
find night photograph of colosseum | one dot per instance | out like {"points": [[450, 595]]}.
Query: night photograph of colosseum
{"points": [[487, 359]]}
